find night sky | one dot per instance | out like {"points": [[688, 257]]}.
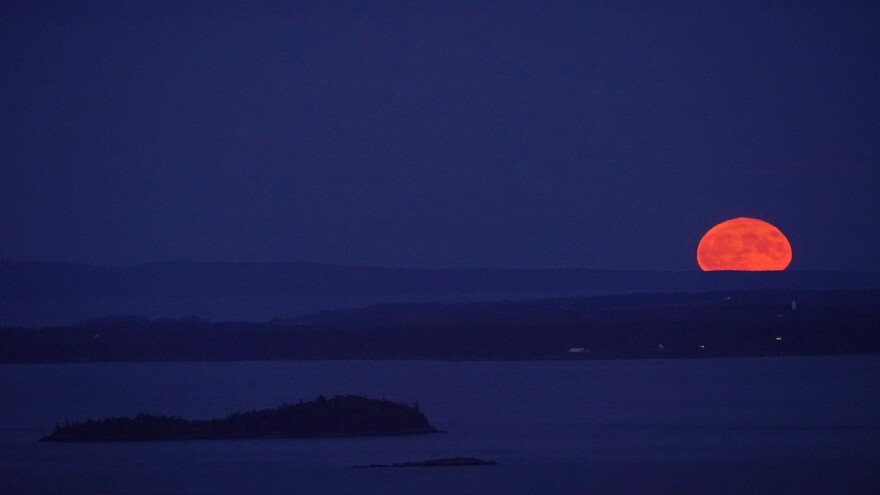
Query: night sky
{"points": [[504, 135]]}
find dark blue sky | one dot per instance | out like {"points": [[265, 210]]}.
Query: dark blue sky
{"points": [[510, 136]]}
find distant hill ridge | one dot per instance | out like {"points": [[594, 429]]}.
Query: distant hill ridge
{"points": [[39, 280]]}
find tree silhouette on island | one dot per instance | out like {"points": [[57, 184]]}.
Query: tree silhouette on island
{"points": [[340, 416]]}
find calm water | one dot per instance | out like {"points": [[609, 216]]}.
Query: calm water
{"points": [[793, 425]]}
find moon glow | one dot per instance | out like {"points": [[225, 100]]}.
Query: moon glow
{"points": [[744, 244]]}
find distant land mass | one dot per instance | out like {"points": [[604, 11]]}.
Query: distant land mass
{"points": [[635, 326], [38, 294], [340, 416]]}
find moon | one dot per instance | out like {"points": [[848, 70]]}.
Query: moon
{"points": [[744, 244]]}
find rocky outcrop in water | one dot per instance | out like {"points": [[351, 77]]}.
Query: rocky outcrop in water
{"points": [[444, 462]]}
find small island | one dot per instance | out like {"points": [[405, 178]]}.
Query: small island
{"points": [[445, 462], [340, 416]]}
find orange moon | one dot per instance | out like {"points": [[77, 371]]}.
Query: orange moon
{"points": [[744, 244]]}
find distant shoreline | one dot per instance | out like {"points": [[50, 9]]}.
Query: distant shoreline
{"points": [[35, 295], [440, 360], [641, 326]]}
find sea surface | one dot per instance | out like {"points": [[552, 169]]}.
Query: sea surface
{"points": [[751, 425]]}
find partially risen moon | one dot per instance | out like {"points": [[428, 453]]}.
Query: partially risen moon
{"points": [[744, 244]]}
